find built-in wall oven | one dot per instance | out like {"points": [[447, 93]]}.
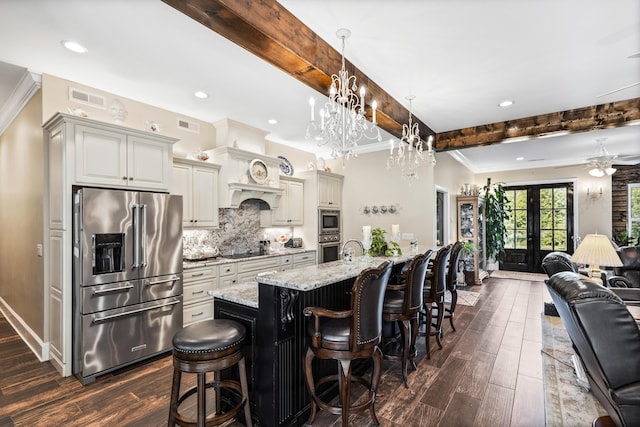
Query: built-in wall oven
{"points": [[328, 248], [328, 235], [328, 221]]}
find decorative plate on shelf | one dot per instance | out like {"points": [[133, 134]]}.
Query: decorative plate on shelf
{"points": [[259, 171], [285, 166]]}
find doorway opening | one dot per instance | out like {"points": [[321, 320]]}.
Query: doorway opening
{"points": [[541, 222]]}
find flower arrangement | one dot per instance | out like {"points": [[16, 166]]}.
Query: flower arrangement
{"points": [[380, 246]]}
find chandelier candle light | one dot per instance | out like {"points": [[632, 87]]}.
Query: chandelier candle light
{"points": [[342, 119], [411, 152]]}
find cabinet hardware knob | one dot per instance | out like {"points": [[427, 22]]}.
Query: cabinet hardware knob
{"points": [[197, 314], [130, 178], [124, 178]]}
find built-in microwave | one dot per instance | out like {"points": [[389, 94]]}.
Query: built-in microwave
{"points": [[328, 221]]}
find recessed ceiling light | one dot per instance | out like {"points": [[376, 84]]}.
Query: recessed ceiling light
{"points": [[272, 121], [506, 103], [519, 158], [200, 94], [74, 46]]}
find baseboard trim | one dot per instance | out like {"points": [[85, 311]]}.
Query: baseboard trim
{"points": [[30, 338]]}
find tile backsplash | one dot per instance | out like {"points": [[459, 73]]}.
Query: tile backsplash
{"points": [[239, 230]]}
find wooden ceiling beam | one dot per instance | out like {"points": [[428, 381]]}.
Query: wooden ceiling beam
{"points": [[610, 115], [269, 31]]}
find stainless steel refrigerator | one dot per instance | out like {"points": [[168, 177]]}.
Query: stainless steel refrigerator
{"points": [[127, 277]]}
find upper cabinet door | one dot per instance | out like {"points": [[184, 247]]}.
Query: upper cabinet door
{"points": [[116, 159], [101, 157], [148, 163], [205, 197], [329, 191]]}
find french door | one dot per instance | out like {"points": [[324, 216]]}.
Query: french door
{"points": [[541, 222]]}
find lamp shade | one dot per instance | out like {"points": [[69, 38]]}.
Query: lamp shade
{"points": [[596, 249]]}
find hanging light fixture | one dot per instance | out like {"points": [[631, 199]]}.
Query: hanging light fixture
{"points": [[342, 119], [601, 164], [411, 151]]}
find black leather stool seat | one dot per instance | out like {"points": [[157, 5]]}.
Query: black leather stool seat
{"points": [[336, 333], [209, 346], [209, 339], [393, 300]]}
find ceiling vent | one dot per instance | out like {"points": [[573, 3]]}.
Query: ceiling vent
{"points": [[188, 126], [87, 98]]}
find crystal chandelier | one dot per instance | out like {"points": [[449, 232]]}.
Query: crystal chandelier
{"points": [[411, 152], [342, 120], [602, 163]]}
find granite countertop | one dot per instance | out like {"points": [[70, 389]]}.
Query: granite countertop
{"points": [[316, 276], [243, 293], [186, 265]]}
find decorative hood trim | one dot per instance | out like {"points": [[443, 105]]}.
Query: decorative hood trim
{"points": [[238, 193]]}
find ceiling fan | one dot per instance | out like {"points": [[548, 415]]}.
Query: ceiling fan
{"points": [[602, 162]]}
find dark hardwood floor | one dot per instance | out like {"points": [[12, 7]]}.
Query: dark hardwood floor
{"points": [[489, 373]]}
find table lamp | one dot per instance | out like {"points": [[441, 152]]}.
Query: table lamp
{"points": [[596, 250]]}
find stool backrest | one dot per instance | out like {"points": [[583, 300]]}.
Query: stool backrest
{"points": [[367, 297], [454, 262], [415, 282], [439, 278]]}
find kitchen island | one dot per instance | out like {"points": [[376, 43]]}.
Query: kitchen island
{"points": [[271, 310]]}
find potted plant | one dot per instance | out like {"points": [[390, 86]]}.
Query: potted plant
{"points": [[467, 262], [380, 246], [497, 211]]}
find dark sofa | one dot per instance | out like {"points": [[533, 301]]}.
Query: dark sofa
{"points": [[606, 338]]}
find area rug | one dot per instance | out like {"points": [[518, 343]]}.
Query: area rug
{"points": [[566, 402], [464, 297], [518, 275]]}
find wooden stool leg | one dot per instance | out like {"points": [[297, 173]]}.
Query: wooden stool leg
{"points": [[245, 392], [375, 380], [218, 395], [414, 337], [440, 306], [202, 397], [311, 387], [405, 351], [428, 328], [345, 389], [454, 302], [175, 392]]}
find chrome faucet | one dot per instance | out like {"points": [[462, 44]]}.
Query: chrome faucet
{"points": [[349, 241]]}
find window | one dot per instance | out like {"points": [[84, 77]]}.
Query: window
{"points": [[553, 219], [634, 211], [517, 224], [441, 215]]}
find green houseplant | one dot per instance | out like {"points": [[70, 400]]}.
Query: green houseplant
{"points": [[467, 262], [497, 211], [380, 246]]}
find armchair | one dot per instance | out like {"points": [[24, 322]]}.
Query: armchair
{"points": [[627, 276], [606, 338]]}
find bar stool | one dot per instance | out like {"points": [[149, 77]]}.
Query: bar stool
{"points": [[345, 336], [434, 290], [402, 304], [209, 346]]}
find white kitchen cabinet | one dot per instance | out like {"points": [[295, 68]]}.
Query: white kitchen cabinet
{"points": [[304, 259], [286, 262], [248, 270], [228, 274], [83, 151], [329, 190], [197, 303], [197, 183], [290, 210], [109, 155]]}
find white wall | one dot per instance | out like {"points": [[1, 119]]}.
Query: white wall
{"points": [[593, 215], [368, 182]]}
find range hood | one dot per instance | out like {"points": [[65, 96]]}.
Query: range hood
{"points": [[236, 183]]}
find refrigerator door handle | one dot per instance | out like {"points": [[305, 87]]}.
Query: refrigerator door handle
{"points": [[160, 282], [96, 320], [143, 236], [136, 236]]}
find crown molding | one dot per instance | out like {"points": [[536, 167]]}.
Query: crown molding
{"points": [[28, 85]]}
